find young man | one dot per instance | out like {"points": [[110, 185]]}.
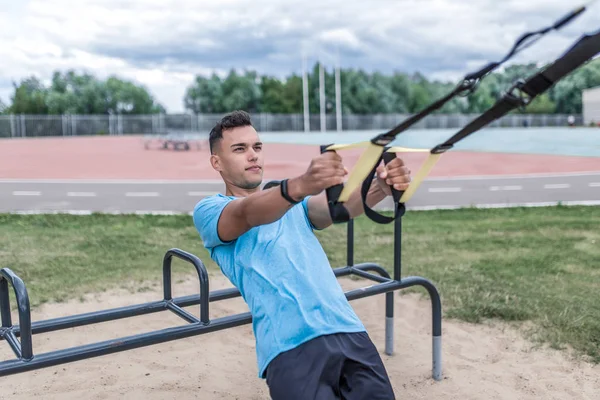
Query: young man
{"points": [[309, 342]]}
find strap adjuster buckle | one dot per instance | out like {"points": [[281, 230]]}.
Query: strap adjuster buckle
{"points": [[521, 98], [441, 148], [382, 140]]}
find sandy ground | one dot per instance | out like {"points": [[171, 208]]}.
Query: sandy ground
{"points": [[479, 361]]}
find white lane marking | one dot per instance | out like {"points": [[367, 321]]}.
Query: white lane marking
{"points": [[594, 184], [119, 181], [81, 194], [196, 194], [90, 212], [505, 205], [218, 181], [445, 190], [26, 193], [557, 186], [500, 188], [513, 176], [142, 194]]}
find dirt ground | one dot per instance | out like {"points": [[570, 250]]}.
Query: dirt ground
{"points": [[489, 361]]}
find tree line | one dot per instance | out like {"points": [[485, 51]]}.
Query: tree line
{"points": [[361, 93]]}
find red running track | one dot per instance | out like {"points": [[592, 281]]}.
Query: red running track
{"points": [[126, 158]]}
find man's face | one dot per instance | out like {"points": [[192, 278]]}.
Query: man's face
{"points": [[239, 157]]}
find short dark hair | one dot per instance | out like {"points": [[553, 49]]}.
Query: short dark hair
{"points": [[232, 120]]}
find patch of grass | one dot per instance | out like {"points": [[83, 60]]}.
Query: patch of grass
{"points": [[534, 265], [540, 265], [64, 256]]}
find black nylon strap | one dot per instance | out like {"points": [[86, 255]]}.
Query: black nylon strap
{"points": [[396, 194], [535, 86], [582, 51], [470, 81]]}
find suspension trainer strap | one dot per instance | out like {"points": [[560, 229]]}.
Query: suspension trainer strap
{"points": [[396, 194], [372, 155], [522, 93], [581, 52]]}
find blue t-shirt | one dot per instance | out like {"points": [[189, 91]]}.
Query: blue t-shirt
{"points": [[283, 274]]}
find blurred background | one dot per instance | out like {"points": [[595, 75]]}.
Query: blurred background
{"points": [[309, 73], [114, 67]]}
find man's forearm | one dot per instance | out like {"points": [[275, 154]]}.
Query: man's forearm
{"points": [[267, 206]]}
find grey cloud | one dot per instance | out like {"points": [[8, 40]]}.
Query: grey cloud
{"points": [[443, 38]]}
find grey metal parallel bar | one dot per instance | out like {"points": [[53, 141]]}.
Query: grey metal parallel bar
{"points": [[405, 283], [5, 304], [121, 344], [373, 267], [14, 343], [23, 308], [202, 276], [182, 313], [73, 321], [146, 339], [342, 271], [215, 295], [350, 243], [77, 320], [368, 275], [196, 326], [389, 300]]}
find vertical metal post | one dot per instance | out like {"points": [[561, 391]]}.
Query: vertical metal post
{"points": [[322, 96], [5, 304], [202, 276], [23, 129], [13, 132], [398, 246], [73, 125], [389, 323], [63, 120], [305, 95], [350, 244], [338, 96]]}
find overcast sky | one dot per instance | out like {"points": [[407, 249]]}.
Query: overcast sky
{"points": [[162, 44]]}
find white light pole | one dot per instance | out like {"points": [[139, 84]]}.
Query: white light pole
{"points": [[322, 96], [338, 95], [305, 95]]}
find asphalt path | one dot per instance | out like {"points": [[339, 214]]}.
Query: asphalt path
{"points": [[170, 196]]}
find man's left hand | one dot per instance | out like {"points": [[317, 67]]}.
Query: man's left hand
{"points": [[394, 173]]}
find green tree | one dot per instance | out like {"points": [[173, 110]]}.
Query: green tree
{"points": [[74, 93], [367, 93], [541, 105], [29, 97], [567, 92]]}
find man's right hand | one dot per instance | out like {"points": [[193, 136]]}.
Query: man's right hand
{"points": [[325, 170]]}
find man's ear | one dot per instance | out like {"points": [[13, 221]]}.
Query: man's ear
{"points": [[215, 161]]}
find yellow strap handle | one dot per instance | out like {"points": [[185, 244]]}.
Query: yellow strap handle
{"points": [[367, 161], [420, 176]]}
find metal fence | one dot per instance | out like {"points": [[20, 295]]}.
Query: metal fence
{"points": [[85, 125]]}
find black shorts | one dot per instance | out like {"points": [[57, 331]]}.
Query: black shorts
{"points": [[338, 366]]}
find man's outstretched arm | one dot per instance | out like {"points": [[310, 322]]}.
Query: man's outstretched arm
{"points": [[267, 206]]}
